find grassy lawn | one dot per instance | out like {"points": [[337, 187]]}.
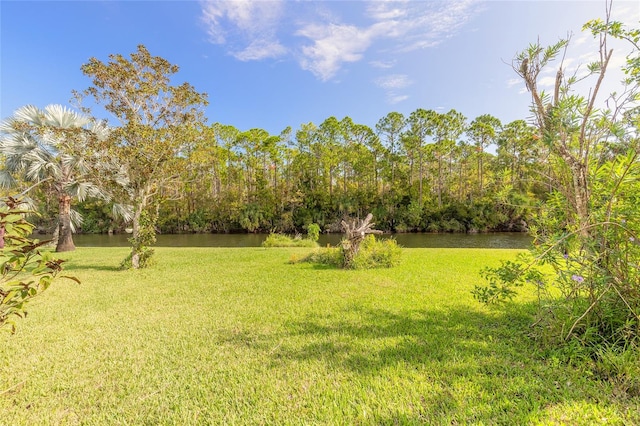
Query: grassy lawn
{"points": [[239, 336]]}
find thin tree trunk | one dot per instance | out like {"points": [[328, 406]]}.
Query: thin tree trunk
{"points": [[65, 239], [420, 176], [135, 255], [439, 181]]}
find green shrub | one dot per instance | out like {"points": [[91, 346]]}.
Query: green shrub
{"points": [[373, 253], [25, 270], [313, 231], [281, 240]]}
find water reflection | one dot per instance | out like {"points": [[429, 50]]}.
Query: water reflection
{"points": [[492, 240]]}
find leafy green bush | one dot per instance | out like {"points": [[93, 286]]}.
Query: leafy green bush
{"points": [[281, 240], [593, 294], [25, 271], [313, 231], [373, 253], [587, 231]]}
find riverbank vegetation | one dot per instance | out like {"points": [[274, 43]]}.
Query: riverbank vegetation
{"points": [[246, 337]]}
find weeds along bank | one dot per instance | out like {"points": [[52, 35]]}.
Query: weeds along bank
{"points": [[229, 335]]}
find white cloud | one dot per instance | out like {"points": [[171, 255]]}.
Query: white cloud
{"points": [[383, 64], [382, 10], [394, 99], [580, 40], [411, 25], [391, 84], [332, 45], [245, 22], [261, 49], [431, 23], [324, 43], [546, 82], [394, 81]]}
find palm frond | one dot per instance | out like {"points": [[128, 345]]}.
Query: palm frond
{"points": [[76, 219], [62, 117], [123, 211], [84, 190], [6, 179], [100, 129], [29, 114]]}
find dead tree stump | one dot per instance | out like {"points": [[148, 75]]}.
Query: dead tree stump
{"points": [[356, 230]]}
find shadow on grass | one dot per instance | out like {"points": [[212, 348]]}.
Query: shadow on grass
{"points": [[450, 351], [369, 340], [70, 267]]}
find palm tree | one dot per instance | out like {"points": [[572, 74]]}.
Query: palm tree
{"points": [[53, 145]]}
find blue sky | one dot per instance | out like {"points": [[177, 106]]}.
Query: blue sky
{"points": [[273, 64]]}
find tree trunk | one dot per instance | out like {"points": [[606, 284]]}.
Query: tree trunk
{"points": [[65, 239], [356, 231], [135, 255], [420, 175], [581, 197], [439, 181]]}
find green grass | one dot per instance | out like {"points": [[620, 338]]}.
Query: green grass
{"points": [[240, 336]]}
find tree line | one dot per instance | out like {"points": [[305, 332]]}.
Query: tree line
{"points": [[429, 171]]}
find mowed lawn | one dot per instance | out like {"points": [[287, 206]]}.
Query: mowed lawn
{"points": [[227, 336]]}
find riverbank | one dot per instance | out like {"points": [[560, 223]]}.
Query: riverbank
{"points": [[508, 240], [240, 336]]}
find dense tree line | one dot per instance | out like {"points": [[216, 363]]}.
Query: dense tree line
{"points": [[429, 171]]}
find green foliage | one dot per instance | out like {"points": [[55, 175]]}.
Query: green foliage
{"points": [[503, 279], [52, 147], [141, 252], [25, 270], [280, 240], [593, 294], [158, 120], [373, 253], [587, 232], [377, 253], [313, 231]]}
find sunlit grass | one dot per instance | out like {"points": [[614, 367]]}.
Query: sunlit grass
{"points": [[240, 336]]}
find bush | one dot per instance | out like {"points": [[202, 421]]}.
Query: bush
{"points": [[280, 240], [313, 231], [622, 368], [373, 253], [376, 253], [25, 271]]}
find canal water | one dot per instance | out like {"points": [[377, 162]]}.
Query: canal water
{"points": [[506, 240]]}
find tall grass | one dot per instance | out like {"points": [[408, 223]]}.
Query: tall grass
{"points": [[240, 336]]}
